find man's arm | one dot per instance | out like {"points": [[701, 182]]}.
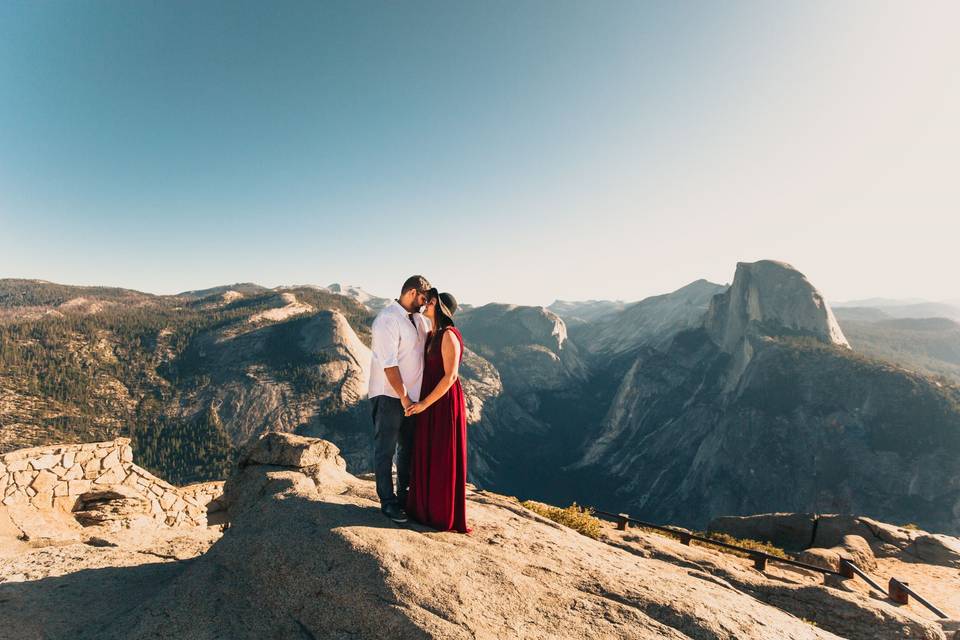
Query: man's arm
{"points": [[393, 377], [385, 343]]}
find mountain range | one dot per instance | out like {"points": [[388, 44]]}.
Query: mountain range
{"points": [[911, 308], [710, 400]]}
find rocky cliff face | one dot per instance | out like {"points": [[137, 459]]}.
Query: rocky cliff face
{"points": [[529, 415], [375, 303], [528, 345], [652, 322], [769, 297], [766, 409], [306, 374], [585, 311], [189, 378], [678, 408], [800, 531]]}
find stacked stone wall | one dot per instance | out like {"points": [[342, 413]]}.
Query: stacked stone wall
{"points": [[57, 476]]}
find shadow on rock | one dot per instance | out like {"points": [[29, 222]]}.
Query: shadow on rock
{"points": [[81, 604]]}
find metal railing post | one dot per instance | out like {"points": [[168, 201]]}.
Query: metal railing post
{"points": [[846, 568], [897, 592], [901, 592]]}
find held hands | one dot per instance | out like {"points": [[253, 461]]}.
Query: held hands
{"points": [[414, 408], [405, 402]]}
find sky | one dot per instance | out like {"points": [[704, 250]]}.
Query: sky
{"points": [[519, 151]]}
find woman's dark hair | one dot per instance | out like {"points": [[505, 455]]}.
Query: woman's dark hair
{"points": [[443, 321]]}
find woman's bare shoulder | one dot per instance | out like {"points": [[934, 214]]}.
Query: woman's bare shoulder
{"points": [[452, 335]]}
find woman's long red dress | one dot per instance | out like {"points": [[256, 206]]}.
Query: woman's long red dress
{"points": [[438, 477]]}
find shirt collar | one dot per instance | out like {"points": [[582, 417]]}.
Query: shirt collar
{"points": [[399, 308]]}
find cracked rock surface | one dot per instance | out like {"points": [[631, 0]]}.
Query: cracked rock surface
{"points": [[307, 554]]}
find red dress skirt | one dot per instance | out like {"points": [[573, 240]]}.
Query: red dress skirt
{"points": [[438, 477]]}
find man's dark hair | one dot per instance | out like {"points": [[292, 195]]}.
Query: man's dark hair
{"points": [[415, 282]]}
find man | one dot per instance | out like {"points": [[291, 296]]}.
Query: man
{"points": [[396, 373]]}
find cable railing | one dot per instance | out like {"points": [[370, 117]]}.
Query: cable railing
{"points": [[849, 570], [760, 558], [898, 591]]}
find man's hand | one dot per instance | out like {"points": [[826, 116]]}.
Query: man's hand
{"points": [[406, 402]]}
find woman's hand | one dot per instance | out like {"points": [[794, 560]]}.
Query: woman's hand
{"points": [[415, 408]]}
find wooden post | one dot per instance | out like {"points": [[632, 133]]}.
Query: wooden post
{"points": [[760, 562], [897, 592], [846, 568], [623, 522]]}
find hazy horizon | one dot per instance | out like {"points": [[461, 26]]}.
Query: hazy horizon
{"points": [[512, 152], [878, 302]]}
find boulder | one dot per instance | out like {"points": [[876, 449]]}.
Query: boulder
{"points": [[935, 548], [288, 450], [854, 548], [887, 540], [792, 531], [824, 558], [279, 461], [118, 505], [862, 539], [43, 527]]}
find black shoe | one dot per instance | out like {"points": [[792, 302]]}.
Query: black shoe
{"points": [[395, 513]]}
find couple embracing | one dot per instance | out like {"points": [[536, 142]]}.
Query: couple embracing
{"points": [[419, 413]]}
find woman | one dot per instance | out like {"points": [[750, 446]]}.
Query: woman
{"points": [[438, 476]]}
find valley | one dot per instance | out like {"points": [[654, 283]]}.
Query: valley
{"points": [[709, 400]]}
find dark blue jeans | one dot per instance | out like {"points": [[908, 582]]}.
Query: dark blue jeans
{"points": [[392, 434]]}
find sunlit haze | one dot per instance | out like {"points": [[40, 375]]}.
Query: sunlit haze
{"points": [[510, 151]]}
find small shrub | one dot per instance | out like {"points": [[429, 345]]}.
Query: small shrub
{"points": [[756, 545], [912, 526], [574, 516]]}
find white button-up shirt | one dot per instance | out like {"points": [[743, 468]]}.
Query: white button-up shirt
{"points": [[397, 342]]}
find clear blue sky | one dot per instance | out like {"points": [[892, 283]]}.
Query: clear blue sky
{"points": [[510, 151]]}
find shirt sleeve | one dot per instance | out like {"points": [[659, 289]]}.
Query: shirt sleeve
{"points": [[385, 341]]}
